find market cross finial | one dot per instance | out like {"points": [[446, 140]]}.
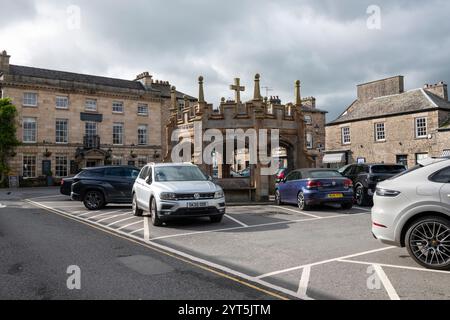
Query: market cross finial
{"points": [[237, 88]]}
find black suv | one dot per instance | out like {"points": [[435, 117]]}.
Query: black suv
{"points": [[365, 178], [101, 185]]}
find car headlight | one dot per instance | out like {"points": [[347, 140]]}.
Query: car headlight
{"points": [[219, 195], [167, 196], [387, 193]]}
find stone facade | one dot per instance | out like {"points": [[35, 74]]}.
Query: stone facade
{"points": [[399, 128], [17, 83], [315, 120]]}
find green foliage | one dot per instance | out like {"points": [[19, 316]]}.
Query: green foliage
{"points": [[8, 140]]}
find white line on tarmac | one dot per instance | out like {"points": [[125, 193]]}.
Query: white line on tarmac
{"points": [[98, 215], [386, 282], [304, 281], [136, 231], [129, 225], [299, 212], [54, 196], [395, 266], [270, 274], [2, 206], [174, 251], [116, 222], [112, 217], [361, 208], [146, 229], [236, 220]]}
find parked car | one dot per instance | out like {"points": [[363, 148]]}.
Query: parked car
{"points": [[413, 210], [66, 186], [281, 174], [171, 191], [365, 178], [99, 186], [245, 173], [308, 187]]}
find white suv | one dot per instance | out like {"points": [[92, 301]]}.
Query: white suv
{"points": [[177, 190], [413, 210]]}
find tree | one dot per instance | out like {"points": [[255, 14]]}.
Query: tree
{"points": [[8, 139]]}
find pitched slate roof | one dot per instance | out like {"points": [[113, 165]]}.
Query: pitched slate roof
{"points": [[32, 72], [408, 102]]}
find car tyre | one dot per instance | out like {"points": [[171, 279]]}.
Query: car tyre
{"points": [[426, 236], [216, 219], [301, 202], [347, 206], [278, 198], [156, 220], [94, 200], [135, 208], [361, 196]]}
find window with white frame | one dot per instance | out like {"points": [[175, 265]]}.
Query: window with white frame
{"points": [[29, 166], [117, 107], [142, 161], [308, 119], [380, 133], [345, 133], [116, 160], [309, 141], [143, 109], [30, 99], [421, 128], [62, 131], [91, 105], [142, 135], [118, 133], [61, 166], [62, 102], [421, 156], [90, 128], [29, 130]]}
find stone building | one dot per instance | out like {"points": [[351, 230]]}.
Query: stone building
{"points": [[67, 121], [387, 124], [257, 114]]}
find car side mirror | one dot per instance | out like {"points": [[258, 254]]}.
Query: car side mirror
{"points": [[149, 180]]}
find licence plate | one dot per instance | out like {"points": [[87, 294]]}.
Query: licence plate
{"points": [[197, 204], [335, 195]]}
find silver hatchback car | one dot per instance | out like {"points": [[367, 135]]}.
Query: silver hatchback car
{"points": [[413, 210], [177, 190]]}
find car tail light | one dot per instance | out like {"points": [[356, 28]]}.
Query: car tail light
{"points": [[281, 175], [313, 184], [62, 181], [348, 184]]}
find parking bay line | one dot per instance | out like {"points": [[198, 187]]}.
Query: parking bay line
{"points": [[236, 220], [394, 266], [128, 225], [299, 212], [386, 282], [146, 229], [274, 273], [116, 222], [98, 215], [253, 226], [112, 217], [304, 281]]}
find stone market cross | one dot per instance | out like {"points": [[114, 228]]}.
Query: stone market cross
{"points": [[237, 88]]}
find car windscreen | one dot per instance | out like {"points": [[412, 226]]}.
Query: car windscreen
{"points": [[406, 172], [324, 174], [179, 173], [388, 169]]}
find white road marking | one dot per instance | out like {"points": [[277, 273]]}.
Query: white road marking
{"points": [[304, 281], [136, 231], [174, 251], [99, 215], [296, 211], [236, 220], [386, 282], [129, 218], [2, 206], [128, 225], [146, 229], [270, 274], [112, 217], [395, 266], [54, 196], [361, 208]]}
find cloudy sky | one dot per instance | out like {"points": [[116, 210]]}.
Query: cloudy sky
{"points": [[326, 44]]}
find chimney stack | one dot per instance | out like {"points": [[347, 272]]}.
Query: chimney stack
{"points": [[439, 90], [146, 79], [4, 61], [381, 88], [309, 102]]}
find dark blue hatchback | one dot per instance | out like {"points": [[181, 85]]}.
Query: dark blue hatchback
{"points": [[308, 187]]}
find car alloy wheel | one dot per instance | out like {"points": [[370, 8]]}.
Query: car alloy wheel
{"points": [[93, 200], [428, 242], [359, 195], [301, 202], [156, 221]]}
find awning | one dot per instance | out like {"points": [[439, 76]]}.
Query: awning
{"points": [[334, 158], [446, 153]]}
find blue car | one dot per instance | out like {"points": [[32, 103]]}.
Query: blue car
{"points": [[309, 187]]}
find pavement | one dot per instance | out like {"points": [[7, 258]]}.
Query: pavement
{"points": [[274, 251]]}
